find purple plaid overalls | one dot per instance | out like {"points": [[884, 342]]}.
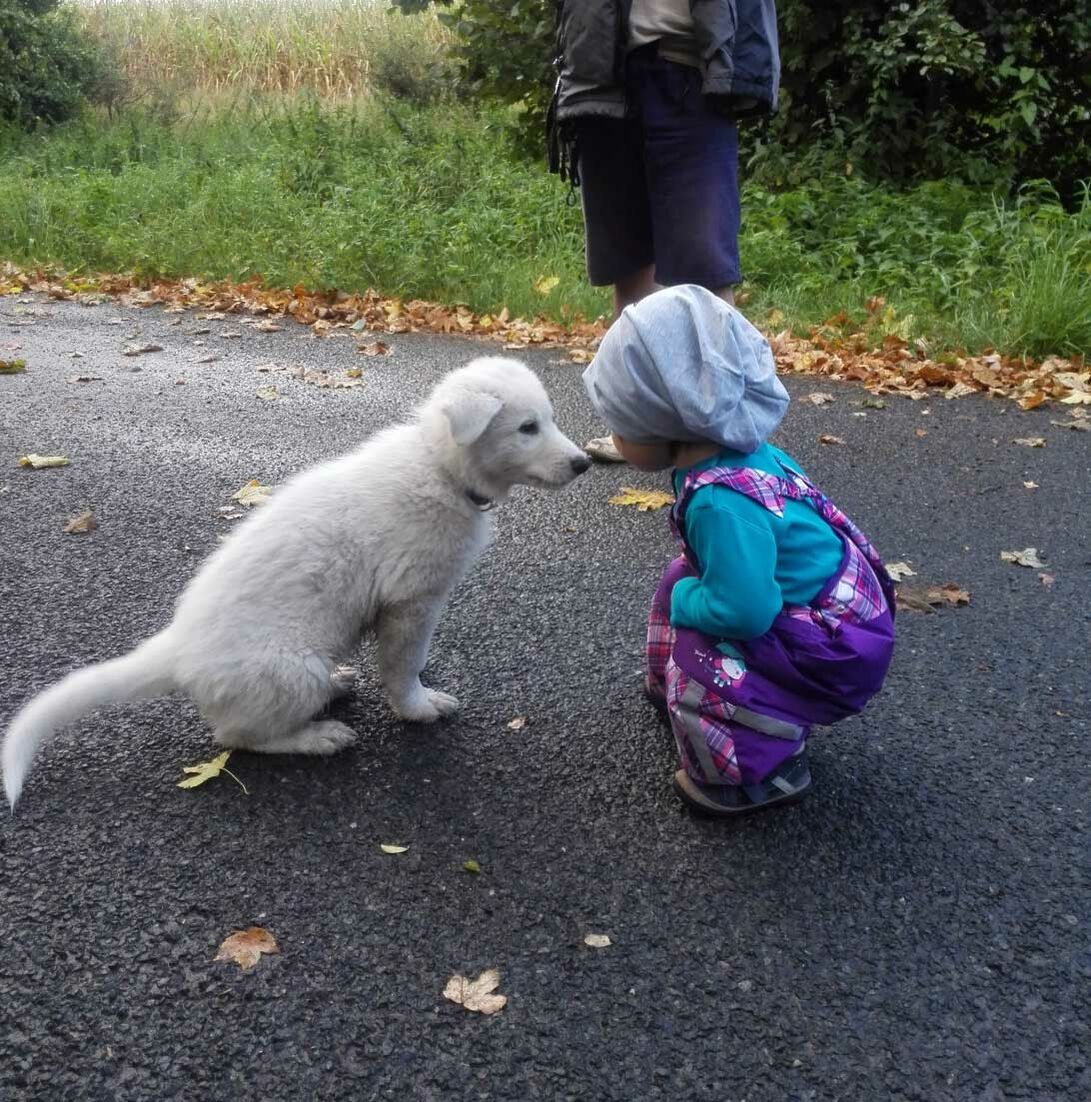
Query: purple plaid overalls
{"points": [[736, 720]]}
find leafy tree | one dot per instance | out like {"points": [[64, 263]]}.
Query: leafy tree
{"points": [[45, 64]]}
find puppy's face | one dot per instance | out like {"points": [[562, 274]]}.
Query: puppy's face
{"points": [[501, 417]]}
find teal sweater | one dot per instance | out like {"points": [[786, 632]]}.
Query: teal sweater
{"points": [[752, 562]]}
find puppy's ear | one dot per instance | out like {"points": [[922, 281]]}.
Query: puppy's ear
{"points": [[469, 413]]}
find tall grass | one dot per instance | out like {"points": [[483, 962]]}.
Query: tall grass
{"points": [[327, 46]]}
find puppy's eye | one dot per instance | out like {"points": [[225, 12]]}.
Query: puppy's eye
{"points": [[529, 427]]}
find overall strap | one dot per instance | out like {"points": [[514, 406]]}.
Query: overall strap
{"points": [[771, 491]]}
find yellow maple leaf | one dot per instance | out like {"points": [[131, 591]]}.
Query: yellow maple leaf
{"points": [[544, 284], [253, 493], [644, 500], [206, 770], [37, 462]]}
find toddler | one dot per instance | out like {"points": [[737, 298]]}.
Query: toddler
{"points": [[778, 614]]}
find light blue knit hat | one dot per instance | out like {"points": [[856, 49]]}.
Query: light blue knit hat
{"points": [[683, 365]]}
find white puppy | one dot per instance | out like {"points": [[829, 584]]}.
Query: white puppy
{"points": [[373, 540]]}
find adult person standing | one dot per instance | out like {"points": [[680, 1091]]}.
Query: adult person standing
{"points": [[644, 122]]}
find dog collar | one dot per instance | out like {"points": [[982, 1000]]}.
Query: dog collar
{"points": [[479, 501]]}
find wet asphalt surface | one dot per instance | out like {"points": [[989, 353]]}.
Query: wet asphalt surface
{"points": [[916, 929]]}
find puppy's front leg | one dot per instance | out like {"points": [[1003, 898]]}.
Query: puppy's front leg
{"points": [[404, 634]]}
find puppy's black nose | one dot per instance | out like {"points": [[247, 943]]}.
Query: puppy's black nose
{"points": [[581, 464]]}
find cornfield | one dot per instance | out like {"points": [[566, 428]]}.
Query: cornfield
{"points": [[329, 47]]}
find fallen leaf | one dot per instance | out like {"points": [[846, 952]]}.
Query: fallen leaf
{"points": [[230, 336], [84, 379], [899, 570], [544, 284], [597, 941], [374, 348], [353, 373], [950, 594], [37, 462], [85, 522], [819, 399], [12, 367], [873, 403], [208, 359], [829, 438], [1031, 485], [913, 600], [644, 500], [267, 326], [1029, 557], [518, 723], [140, 349], [476, 995], [471, 866], [1078, 426], [1047, 580], [386, 847], [921, 432], [267, 393], [245, 947], [253, 493], [1031, 441], [206, 770]]}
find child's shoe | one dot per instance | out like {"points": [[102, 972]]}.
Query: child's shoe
{"points": [[786, 785]]}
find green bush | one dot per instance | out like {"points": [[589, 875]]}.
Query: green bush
{"points": [[46, 65]]}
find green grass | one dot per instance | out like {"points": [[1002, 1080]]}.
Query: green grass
{"points": [[433, 202]]}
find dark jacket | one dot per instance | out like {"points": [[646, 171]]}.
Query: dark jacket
{"points": [[737, 40]]}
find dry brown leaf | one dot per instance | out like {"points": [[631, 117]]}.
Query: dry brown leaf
{"points": [[1028, 557], [1030, 441], [374, 348], [949, 594], [1078, 426], [12, 367], [928, 598], [644, 500], [85, 522], [829, 438], [267, 326], [899, 570], [245, 947], [921, 432], [476, 995], [140, 349], [819, 399], [1047, 580], [84, 379], [518, 723]]}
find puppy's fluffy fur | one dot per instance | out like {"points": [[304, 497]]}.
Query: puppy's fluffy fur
{"points": [[374, 540]]}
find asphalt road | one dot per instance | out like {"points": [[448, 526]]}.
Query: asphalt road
{"points": [[917, 929]]}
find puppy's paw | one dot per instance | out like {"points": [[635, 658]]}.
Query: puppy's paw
{"points": [[444, 703], [425, 707], [326, 737]]}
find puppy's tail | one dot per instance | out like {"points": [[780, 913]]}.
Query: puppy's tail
{"points": [[142, 673]]}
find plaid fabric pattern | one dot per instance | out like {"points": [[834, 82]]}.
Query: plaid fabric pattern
{"points": [[713, 760], [658, 652], [866, 591]]}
